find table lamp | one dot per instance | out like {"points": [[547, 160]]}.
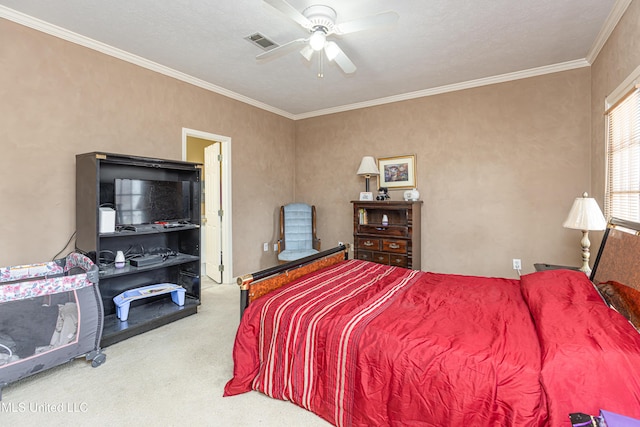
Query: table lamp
{"points": [[585, 215], [368, 169]]}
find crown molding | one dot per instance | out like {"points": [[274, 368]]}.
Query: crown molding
{"points": [[72, 37], [45, 27], [533, 72], [619, 8]]}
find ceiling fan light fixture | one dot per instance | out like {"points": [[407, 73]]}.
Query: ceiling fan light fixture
{"points": [[331, 50], [320, 22], [307, 52], [317, 40]]}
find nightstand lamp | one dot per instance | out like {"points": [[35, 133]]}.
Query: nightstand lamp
{"points": [[368, 169], [585, 215]]}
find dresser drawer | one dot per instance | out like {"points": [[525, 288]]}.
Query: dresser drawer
{"points": [[371, 244], [365, 255], [398, 260], [396, 246], [381, 257]]}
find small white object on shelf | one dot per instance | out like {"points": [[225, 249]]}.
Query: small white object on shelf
{"points": [[366, 196], [119, 259], [411, 195]]}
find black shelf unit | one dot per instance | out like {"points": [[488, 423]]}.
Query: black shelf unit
{"points": [[179, 246]]}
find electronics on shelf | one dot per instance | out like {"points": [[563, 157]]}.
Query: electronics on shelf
{"points": [[140, 201]]}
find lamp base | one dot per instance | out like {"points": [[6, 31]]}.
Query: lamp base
{"points": [[586, 244]]}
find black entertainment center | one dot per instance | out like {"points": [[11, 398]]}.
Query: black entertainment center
{"points": [[156, 229]]}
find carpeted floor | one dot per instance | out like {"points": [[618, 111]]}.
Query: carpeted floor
{"points": [[171, 376]]}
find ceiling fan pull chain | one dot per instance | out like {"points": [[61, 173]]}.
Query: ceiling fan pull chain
{"points": [[321, 65]]}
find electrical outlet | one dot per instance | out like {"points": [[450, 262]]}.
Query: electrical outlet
{"points": [[517, 264], [265, 247], [275, 247]]}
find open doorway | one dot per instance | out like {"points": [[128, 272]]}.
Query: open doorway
{"points": [[214, 152]]}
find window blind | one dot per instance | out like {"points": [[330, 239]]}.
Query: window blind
{"points": [[622, 198]]}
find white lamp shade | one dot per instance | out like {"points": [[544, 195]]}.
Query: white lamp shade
{"points": [[585, 214], [368, 166]]}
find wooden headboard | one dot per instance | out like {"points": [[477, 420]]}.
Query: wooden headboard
{"points": [[253, 286], [618, 258]]}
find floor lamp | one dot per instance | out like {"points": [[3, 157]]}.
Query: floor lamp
{"points": [[585, 215]]}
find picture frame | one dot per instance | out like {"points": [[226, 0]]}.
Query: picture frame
{"points": [[366, 196], [397, 172]]}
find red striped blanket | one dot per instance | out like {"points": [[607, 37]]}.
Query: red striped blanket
{"points": [[362, 344], [365, 344]]}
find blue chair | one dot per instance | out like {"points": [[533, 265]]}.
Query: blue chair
{"points": [[297, 232]]}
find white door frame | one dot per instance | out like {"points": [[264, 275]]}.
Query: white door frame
{"points": [[227, 241]]}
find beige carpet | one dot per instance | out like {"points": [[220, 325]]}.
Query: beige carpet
{"points": [[171, 376]]}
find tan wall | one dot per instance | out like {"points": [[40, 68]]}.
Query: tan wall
{"points": [[498, 168], [59, 99], [617, 59]]}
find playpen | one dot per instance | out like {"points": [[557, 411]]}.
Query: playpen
{"points": [[50, 313]]}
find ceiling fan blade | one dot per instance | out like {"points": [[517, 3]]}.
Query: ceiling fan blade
{"points": [[336, 54], [282, 49], [367, 23], [291, 12]]}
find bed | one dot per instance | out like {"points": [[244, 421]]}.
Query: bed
{"points": [[363, 344]]}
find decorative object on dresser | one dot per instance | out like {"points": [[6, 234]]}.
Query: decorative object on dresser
{"points": [[585, 215], [395, 243], [383, 193], [397, 172], [368, 169], [366, 195], [412, 195], [156, 238]]}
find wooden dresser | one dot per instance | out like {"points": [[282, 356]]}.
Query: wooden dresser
{"points": [[394, 242]]}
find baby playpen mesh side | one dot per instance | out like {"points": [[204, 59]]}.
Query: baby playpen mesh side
{"points": [[50, 313]]}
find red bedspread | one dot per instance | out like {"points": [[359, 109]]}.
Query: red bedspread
{"points": [[590, 353], [363, 344]]}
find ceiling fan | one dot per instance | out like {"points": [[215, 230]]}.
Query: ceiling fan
{"points": [[320, 21]]}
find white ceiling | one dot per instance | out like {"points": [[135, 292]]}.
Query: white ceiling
{"points": [[436, 45]]}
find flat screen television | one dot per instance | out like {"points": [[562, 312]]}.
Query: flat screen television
{"points": [[141, 201]]}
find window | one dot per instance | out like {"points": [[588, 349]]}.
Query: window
{"points": [[622, 197]]}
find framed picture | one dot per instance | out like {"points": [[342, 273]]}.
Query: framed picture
{"points": [[366, 195], [397, 172]]}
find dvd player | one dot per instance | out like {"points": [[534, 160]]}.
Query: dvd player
{"points": [[142, 227], [146, 260]]}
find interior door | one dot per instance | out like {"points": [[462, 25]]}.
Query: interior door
{"points": [[213, 211]]}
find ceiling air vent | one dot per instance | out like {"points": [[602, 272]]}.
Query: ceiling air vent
{"points": [[261, 41]]}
